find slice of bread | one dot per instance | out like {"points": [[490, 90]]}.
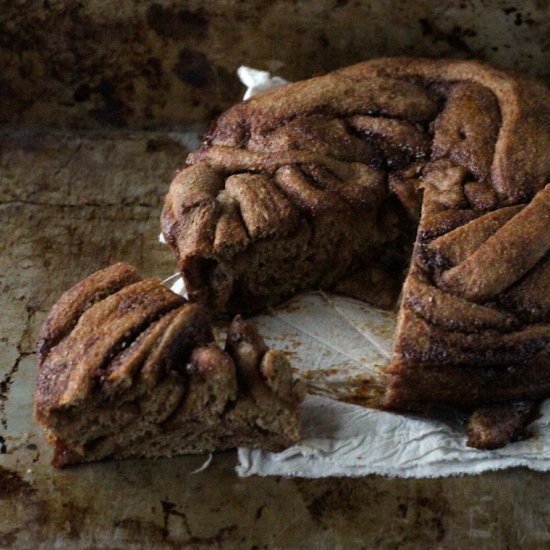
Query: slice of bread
{"points": [[130, 369]]}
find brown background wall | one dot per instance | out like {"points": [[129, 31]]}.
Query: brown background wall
{"points": [[156, 64]]}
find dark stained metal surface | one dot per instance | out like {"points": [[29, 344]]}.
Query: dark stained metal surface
{"points": [[71, 203], [74, 198]]}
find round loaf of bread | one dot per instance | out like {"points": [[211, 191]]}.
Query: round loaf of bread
{"points": [[421, 177]]}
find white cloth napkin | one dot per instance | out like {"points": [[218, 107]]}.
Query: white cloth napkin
{"points": [[334, 341]]}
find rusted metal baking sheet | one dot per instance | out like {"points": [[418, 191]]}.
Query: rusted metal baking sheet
{"points": [[70, 203], [74, 201]]}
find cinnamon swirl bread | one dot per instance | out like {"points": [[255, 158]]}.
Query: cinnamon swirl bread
{"points": [[420, 176], [130, 369]]}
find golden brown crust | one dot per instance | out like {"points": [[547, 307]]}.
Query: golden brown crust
{"points": [[78, 299], [494, 426], [512, 251], [459, 244], [68, 371]]}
